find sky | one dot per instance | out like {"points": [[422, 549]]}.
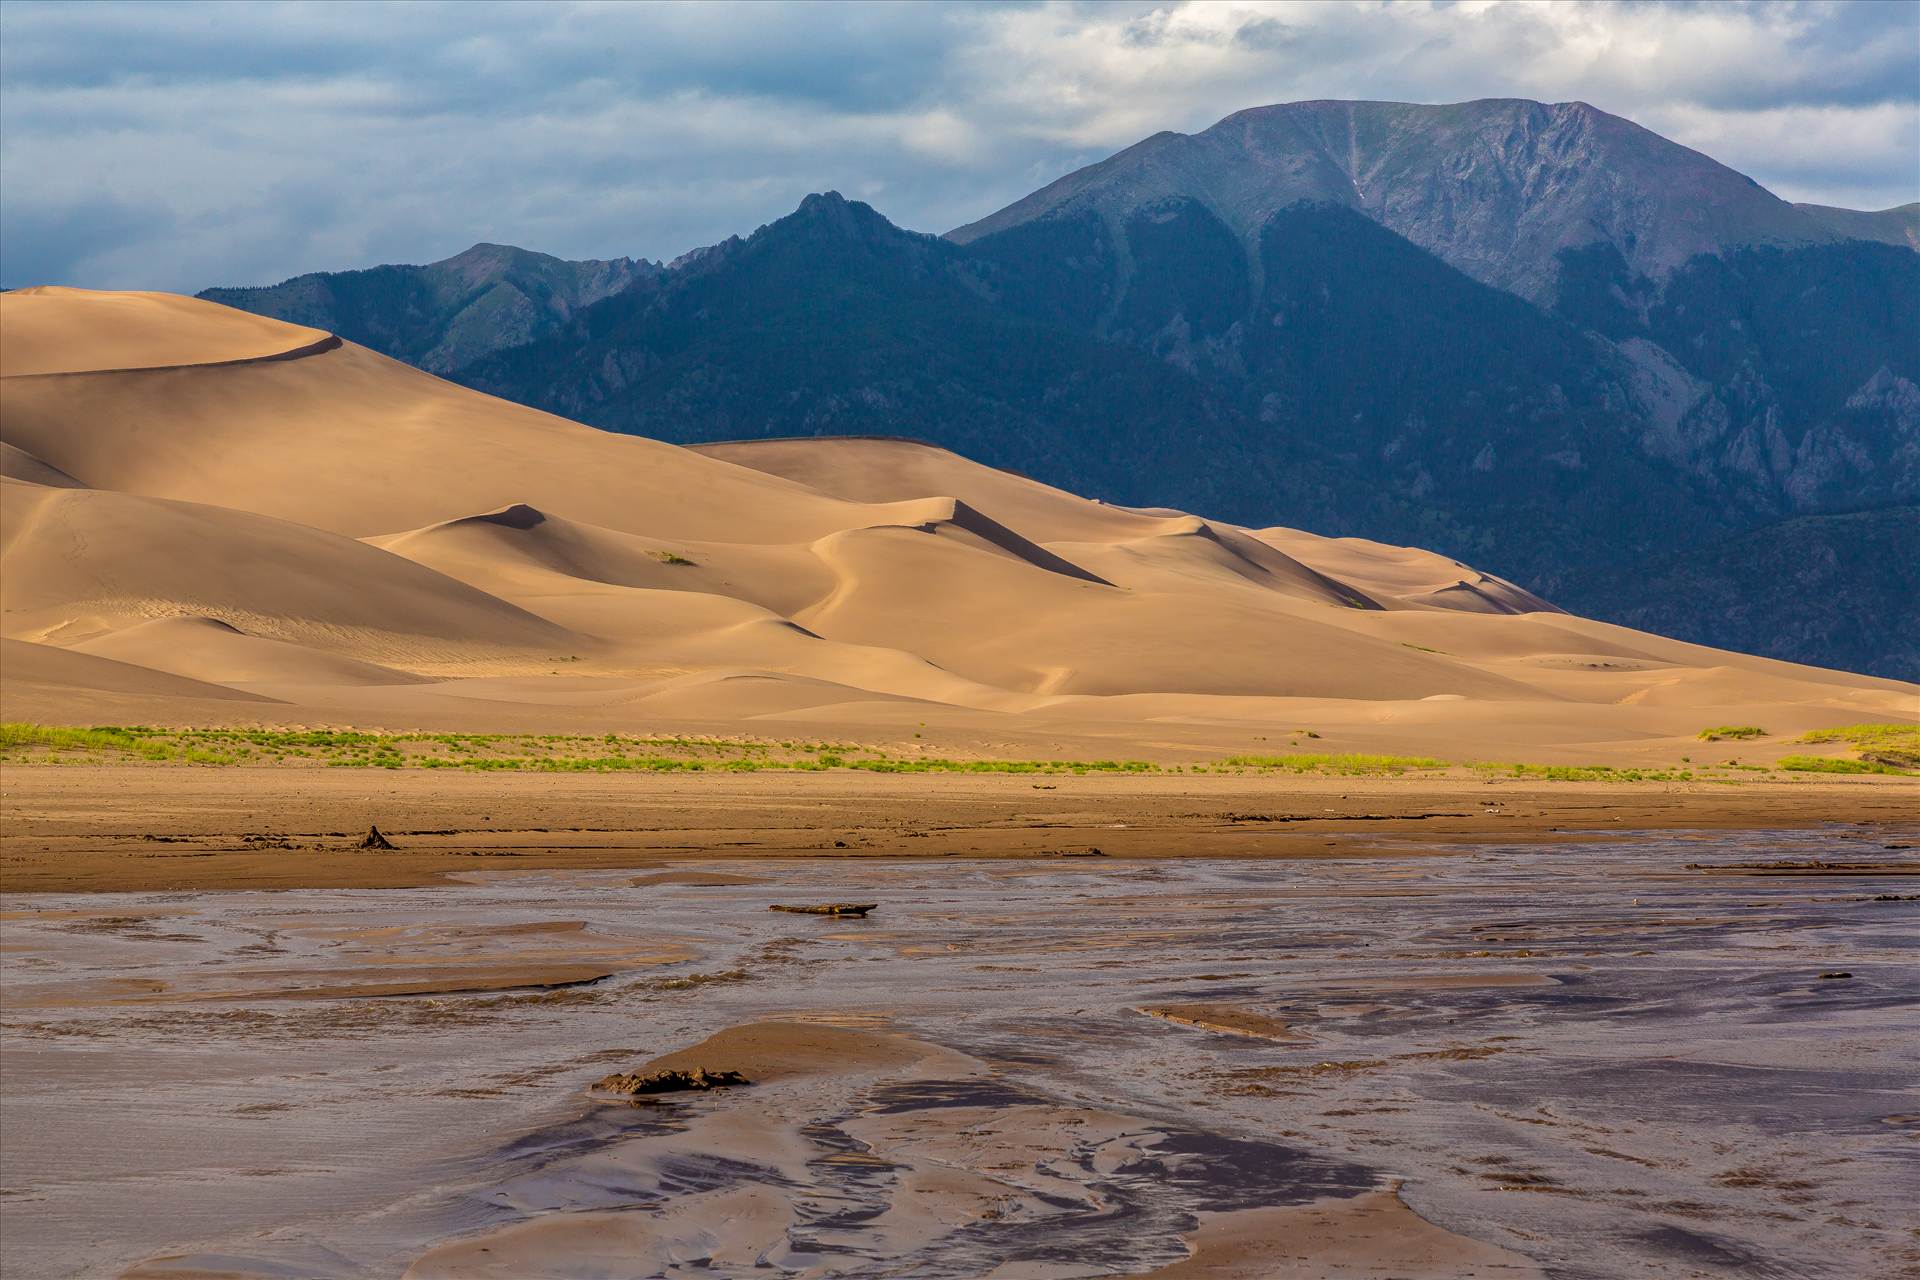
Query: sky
{"points": [[162, 145]]}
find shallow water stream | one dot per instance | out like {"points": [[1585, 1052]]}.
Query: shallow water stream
{"points": [[1587, 1053]]}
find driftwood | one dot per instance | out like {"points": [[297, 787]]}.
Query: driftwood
{"points": [[830, 909]]}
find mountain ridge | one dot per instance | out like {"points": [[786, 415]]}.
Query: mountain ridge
{"points": [[444, 314], [1897, 225]]}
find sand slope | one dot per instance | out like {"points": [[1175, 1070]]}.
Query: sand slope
{"points": [[76, 563], [217, 652], [246, 509], [25, 663], [18, 464], [55, 331]]}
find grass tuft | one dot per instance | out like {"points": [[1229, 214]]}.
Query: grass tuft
{"points": [[1837, 764], [1344, 764], [1586, 773], [1867, 735]]}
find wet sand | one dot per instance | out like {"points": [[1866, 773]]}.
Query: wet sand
{"points": [[1573, 1057], [1370, 1236], [75, 828]]}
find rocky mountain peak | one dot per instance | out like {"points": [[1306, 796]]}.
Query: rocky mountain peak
{"points": [[1497, 187], [830, 213]]}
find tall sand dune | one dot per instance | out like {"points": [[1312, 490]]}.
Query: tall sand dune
{"points": [[206, 508]]}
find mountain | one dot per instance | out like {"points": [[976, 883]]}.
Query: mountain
{"points": [[448, 313], [1847, 586], [1753, 345], [832, 321], [1497, 188], [1898, 225], [1534, 336]]}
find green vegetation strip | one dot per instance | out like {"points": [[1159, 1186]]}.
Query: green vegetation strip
{"points": [[575, 753], [1883, 749], [484, 752], [1835, 764]]}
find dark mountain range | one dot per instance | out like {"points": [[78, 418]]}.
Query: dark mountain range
{"points": [[1759, 351], [832, 321], [448, 313], [1846, 587], [1536, 337]]}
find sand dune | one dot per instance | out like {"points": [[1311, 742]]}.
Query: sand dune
{"points": [[524, 543], [241, 508], [59, 331], [18, 464], [25, 663], [77, 563], [217, 652], [641, 616], [1339, 570], [865, 469], [354, 443], [1406, 573]]}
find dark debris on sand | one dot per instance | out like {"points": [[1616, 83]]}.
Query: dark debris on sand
{"points": [[634, 1083], [828, 909]]}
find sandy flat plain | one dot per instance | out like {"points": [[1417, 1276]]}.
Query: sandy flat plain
{"points": [[1427, 1017], [156, 828]]}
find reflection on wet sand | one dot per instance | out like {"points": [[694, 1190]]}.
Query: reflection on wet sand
{"points": [[1229, 1020], [302, 961], [1576, 1059]]}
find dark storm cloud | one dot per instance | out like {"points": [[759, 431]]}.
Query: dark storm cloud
{"points": [[174, 145]]}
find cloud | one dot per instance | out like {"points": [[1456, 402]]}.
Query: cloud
{"points": [[176, 145]]}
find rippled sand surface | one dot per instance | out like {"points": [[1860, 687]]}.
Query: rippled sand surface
{"points": [[1594, 1059]]}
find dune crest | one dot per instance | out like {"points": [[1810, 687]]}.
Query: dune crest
{"points": [[50, 335]]}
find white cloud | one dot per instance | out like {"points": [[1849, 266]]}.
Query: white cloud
{"points": [[177, 145], [1851, 156]]}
